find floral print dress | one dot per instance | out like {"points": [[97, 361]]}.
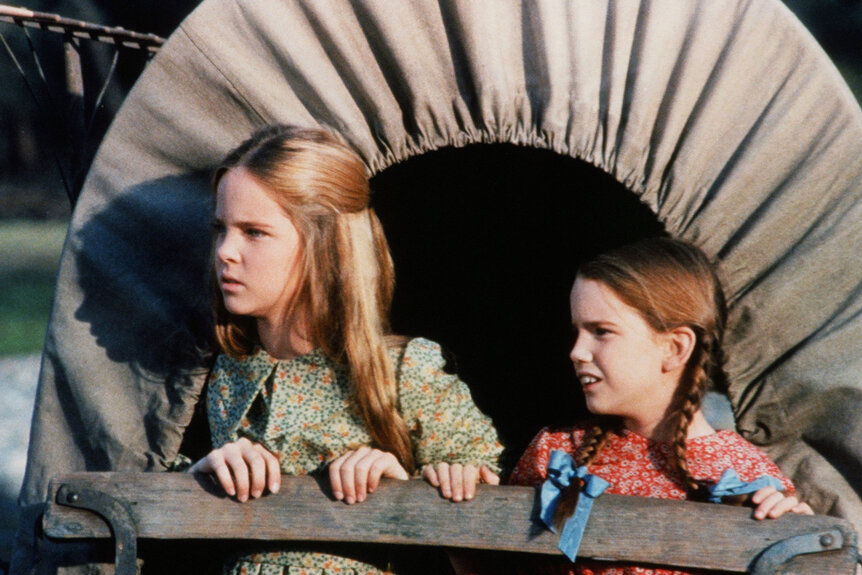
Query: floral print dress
{"points": [[302, 410], [636, 465]]}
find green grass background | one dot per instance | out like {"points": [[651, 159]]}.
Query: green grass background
{"points": [[29, 253]]}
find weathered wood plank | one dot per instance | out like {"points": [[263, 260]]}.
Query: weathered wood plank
{"points": [[674, 533]]}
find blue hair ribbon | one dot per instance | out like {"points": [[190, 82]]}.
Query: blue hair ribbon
{"points": [[561, 471], [730, 484]]}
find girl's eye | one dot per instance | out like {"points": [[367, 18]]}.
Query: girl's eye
{"points": [[600, 331], [254, 233], [218, 228]]}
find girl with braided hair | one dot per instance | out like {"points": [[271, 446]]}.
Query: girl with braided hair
{"points": [[648, 320], [309, 379]]}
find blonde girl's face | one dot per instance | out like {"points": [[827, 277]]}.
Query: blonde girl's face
{"points": [[619, 359], [257, 249]]}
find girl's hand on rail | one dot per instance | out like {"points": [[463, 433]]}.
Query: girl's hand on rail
{"points": [[458, 482], [357, 473], [773, 503], [243, 468]]}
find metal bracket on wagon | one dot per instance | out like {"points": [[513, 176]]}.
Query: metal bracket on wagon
{"points": [[116, 515], [779, 553]]}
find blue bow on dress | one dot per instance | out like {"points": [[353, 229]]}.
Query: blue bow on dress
{"points": [[730, 484], [561, 470]]}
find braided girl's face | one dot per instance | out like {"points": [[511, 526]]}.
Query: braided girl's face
{"points": [[621, 362]]}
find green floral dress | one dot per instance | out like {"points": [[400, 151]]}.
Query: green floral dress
{"points": [[301, 409]]}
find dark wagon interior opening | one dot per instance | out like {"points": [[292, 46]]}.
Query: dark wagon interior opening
{"points": [[486, 241]]}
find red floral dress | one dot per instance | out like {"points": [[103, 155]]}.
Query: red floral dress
{"points": [[635, 465]]}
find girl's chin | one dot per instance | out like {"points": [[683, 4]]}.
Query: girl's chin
{"points": [[598, 408], [235, 307]]}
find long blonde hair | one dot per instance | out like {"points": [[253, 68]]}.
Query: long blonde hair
{"points": [[346, 276], [671, 284]]}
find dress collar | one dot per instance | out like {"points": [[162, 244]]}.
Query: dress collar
{"points": [[316, 355]]}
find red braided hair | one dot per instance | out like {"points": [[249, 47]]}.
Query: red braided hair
{"points": [[671, 284]]}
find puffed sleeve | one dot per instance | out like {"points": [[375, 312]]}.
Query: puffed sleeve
{"points": [[444, 423], [750, 462], [532, 467]]}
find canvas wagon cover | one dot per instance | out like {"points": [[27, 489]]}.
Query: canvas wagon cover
{"points": [[723, 116]]}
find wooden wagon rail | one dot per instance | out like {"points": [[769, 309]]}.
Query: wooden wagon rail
{"points": [[164, 506]]}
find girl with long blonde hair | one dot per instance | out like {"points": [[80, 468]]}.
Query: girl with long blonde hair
{"points": [[309, 378]]}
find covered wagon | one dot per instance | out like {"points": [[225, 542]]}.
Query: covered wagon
{"points": [[507, 141]]}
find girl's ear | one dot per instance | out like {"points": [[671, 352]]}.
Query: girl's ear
{"points": [[680, 344]]}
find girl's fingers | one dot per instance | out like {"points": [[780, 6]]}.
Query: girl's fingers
{"points": [[335, 475], [470, 479], [273, 468], [761, 494], [362, 469], [458, 482], [456, 479], [357, 473], [199, 466], [379, 466], [348, 470], [216, 464], [225, 479], [238, 470], [385, 465], [395, 470], [262, 465], [430, 475], [256, 470], [775, 505], [443, 477], [242, 467], [489, 476], [371, 467], [782, 506]]}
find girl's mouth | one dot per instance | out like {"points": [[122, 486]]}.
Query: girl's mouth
{"points": [[229, 283], [588, 381]]}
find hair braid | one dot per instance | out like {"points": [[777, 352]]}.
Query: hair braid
{"points": [[594, 440], [690, 397]]}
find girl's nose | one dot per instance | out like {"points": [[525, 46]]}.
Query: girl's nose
{"points": [[225, 248], [580, 352]]}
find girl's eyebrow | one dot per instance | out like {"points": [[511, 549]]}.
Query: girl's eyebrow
{"points": [[594, 324], [252, 224], [245, 224]]}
